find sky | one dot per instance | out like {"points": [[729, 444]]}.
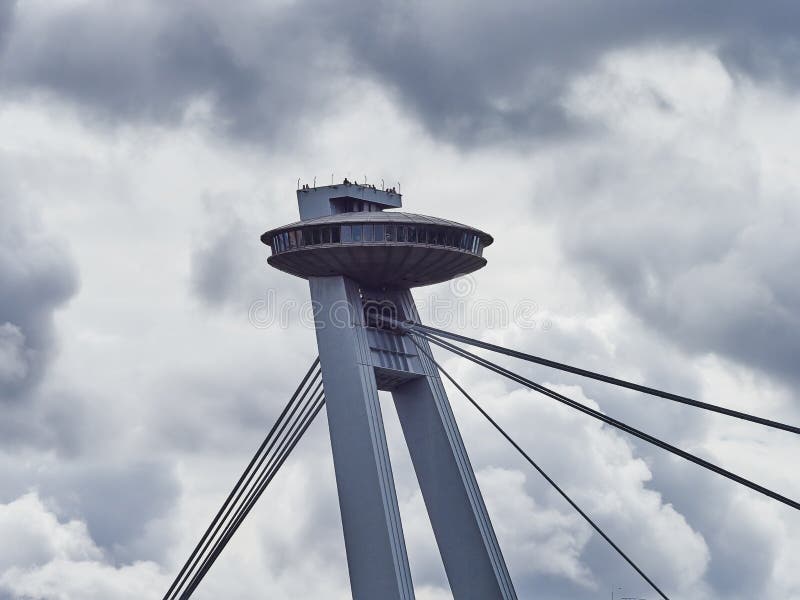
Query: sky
{"points": [[635, 162]]}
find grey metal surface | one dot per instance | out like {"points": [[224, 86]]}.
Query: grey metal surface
{"points": [[394, 358], [316, 201], [373, 533], [389, 265], [356, 361], [472, 557], [396, 217]]}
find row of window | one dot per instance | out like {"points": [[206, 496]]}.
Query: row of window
{"points": [[341, 205], [377, 232]]}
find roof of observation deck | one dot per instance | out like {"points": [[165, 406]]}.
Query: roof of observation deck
{"points": [[395, 217]]}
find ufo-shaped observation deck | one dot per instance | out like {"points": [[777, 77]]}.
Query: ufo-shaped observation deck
{"points": [[379, 249]]}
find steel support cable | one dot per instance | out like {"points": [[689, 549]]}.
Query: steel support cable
{"points": [[303, 423], [245, 478], [292, 423], [277, 430], [600, 377], [611, 421], [309, 399], [541, 471]]}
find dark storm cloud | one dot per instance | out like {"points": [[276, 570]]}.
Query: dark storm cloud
{"points": [[703, 260], [218, 270], [117, 502], [215, 268], [470, 72], [479, 71], [227, 261], [150, 61], [6, 10], [36, 277]]}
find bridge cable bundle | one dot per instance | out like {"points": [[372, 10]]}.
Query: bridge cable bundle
{"points": [[308, 400], [549, 480], [292, 423], [424, 332], [614, 422], [441, 333]]}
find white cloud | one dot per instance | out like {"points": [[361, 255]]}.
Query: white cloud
{"points": [[42, 558], [685, 158], [539, 539]]}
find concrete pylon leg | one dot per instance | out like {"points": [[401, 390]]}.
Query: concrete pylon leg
{"points": [[472, 557], [373, 534]]}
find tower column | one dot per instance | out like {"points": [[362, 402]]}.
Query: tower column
{"points": [[470, 552], [373, 533], [357, 253]]}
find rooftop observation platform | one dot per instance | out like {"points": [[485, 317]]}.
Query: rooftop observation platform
{"points": [[344, 197], [373, 246]]}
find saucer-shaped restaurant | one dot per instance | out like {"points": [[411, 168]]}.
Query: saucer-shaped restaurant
{"points": [[380, 249]]}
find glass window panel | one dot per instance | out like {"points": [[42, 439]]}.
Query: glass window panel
{"points": [[379, 233], [391, 235], [423, 235], [300, 241], [368, 233], [401, 233], [292, 240], [433, 237], [356, 233], [325, 235], [335, 235], [347, 234], [412, 234], [315, 236]]}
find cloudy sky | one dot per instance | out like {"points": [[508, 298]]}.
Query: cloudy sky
{"points": [[636, 162]]}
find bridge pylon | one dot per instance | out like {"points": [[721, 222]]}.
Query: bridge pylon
{"points": [[361, 259]]}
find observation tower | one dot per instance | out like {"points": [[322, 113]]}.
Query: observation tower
{"points": [[361, 258]]}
